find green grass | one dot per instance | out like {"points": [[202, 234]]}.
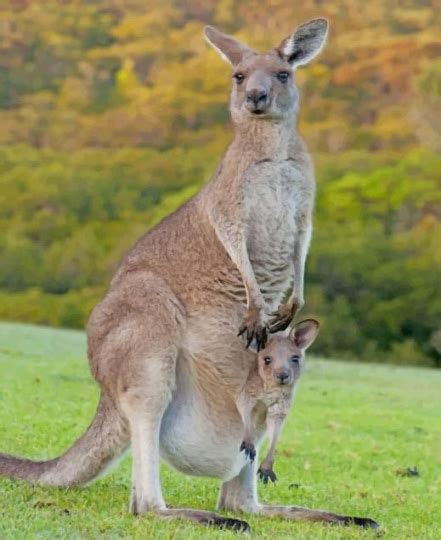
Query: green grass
{"points": [[352, 428]]}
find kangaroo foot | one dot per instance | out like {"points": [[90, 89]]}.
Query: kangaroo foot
{"points": [[366, 523], [297, 513], [205, 518]]}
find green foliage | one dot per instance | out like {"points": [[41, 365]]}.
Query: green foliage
{"points": [[70, 309], [373, 267], [352, 429], [111, 116]]}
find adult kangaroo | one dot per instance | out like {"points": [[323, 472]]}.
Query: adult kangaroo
{"points": [[163, 344]]}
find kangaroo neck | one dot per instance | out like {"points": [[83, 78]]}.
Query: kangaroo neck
{"points": [[254, 141], [260, 139]]}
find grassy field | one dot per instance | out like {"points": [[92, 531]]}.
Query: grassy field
{"points": [[353, 430]]}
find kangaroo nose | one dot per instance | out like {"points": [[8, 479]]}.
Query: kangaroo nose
{"points": [[282, 377], [258, 96]]}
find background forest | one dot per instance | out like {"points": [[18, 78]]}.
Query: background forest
{"points": [[114, 112]]}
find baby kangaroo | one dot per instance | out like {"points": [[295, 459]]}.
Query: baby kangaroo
{"points": [[270, 386]]}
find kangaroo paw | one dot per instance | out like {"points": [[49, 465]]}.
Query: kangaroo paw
{"points": [[254, 327]]}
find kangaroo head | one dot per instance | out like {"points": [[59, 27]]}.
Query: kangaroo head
{"points": [[263, 86], [281, 361]]}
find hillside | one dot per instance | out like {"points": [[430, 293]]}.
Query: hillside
{"points": [[352, 432], [113, 113]]}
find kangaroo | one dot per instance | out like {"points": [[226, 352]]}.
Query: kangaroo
{"points": [[270, 389], [163, 343]]}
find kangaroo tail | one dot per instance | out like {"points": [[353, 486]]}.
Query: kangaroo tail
{"points": [[105, 440]]}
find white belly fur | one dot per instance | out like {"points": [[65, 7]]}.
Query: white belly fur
{"points": [[197, 449], [193, 444]]}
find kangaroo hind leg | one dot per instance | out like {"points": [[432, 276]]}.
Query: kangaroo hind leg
{"points": [[144, 403], [134, 336], [148, 339]]}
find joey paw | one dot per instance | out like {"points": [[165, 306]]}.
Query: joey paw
{"points": [[249, 450], [266, 474]]}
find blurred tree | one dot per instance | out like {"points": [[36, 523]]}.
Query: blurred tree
{"points": [[114, 112]]}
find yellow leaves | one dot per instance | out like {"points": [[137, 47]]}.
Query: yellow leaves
{"points": [[139, 125], [74, 93], [54, 38], [146, 67], [127, 83], [332, 134], [318, 70], [345, 74], [154, 22], [394, 128], [185, 40], [412, 20], [428, 223], [185, 93], [379, 62], [225, 13]]}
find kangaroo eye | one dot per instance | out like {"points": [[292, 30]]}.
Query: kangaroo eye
{"points": [[295, 359], [283, 76], [267, 360], [239, 77]]}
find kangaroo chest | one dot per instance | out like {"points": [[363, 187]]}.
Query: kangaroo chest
{"points": [[279, 199]]}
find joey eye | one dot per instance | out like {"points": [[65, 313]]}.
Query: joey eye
{"points": [[283, 76], [267, 360], [295, 359], [239, 77]]}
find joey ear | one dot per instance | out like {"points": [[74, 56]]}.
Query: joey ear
{"points": [[229, 48], [304, 333], [305, 43]]}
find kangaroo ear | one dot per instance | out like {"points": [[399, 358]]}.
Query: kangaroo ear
{"points": [[229, 48], [304, 333], [306, 42]]}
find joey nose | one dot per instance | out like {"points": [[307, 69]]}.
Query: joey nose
{"points": [[282, 377]]}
